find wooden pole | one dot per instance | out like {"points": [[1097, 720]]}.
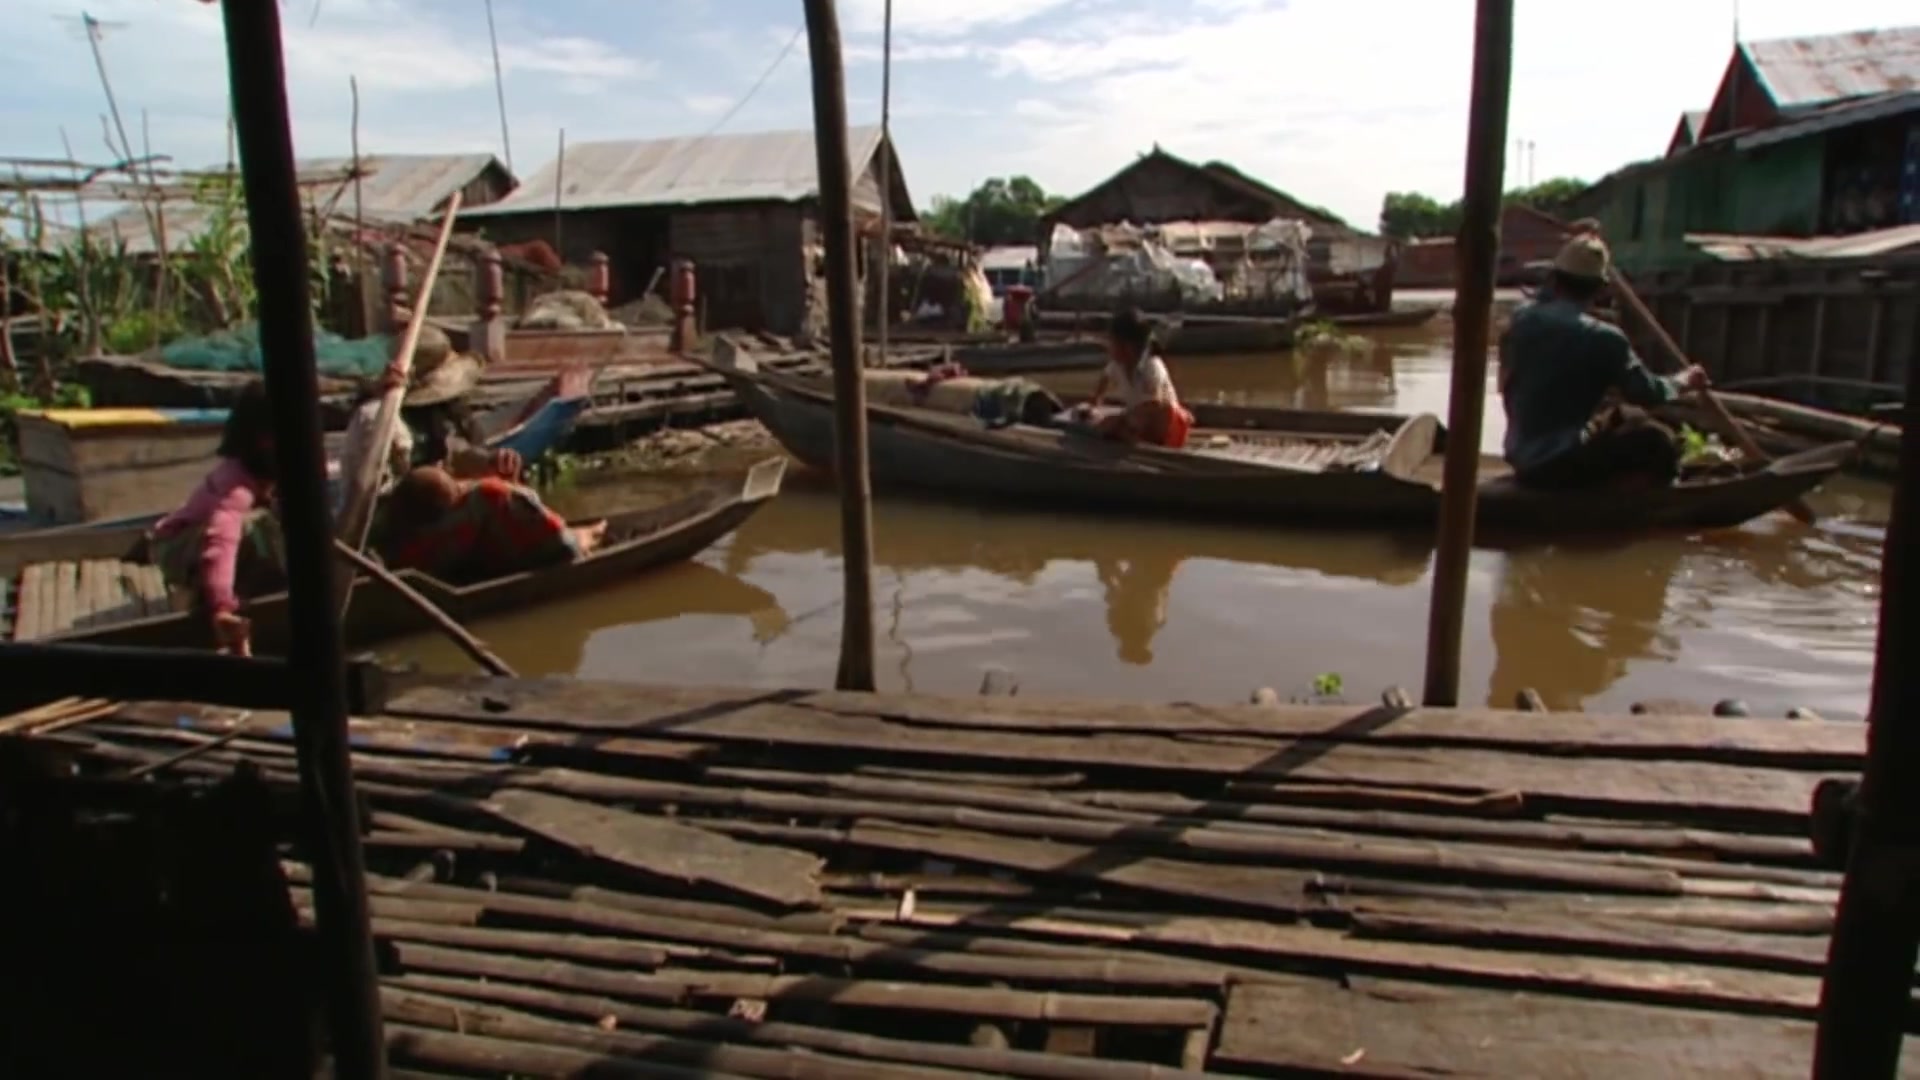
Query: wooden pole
{"points": [[458, 634], [883, 272], [1479, 253], [1876, 932], [559, 195], [316, 659], [849, 387], [1729, 427]]}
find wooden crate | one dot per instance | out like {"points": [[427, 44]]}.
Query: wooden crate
{"points": [[84, 465]]}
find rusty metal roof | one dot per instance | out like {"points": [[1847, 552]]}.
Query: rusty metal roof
{"points": [[1805, 72], [396, 189], [774, 166]]}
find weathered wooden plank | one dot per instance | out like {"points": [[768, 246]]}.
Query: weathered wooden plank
{"points": [[593, 1009], [664, 848], [1672, 789], [1392, 1027], [1297, 946], [671, 987], [30, 614], [148, 585], [1826, 745], [66, 585]]}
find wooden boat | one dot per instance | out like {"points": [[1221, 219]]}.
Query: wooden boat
{"points": [[84, 588], [1382, 320], [1304, 468]]}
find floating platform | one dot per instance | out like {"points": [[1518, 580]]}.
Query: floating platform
{"points": [[787, 882]]}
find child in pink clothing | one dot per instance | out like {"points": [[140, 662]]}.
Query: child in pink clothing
{"points": [[223, 541]]}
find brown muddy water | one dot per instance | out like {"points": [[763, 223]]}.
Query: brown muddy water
{"points": [[1774, 614]]}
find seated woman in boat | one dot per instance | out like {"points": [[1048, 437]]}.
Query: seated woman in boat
{"points": [[1152, 412], [437, 424], [469, 530], [223, 543], [1559, 366]]}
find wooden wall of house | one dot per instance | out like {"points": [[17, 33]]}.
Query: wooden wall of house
{"points": [[1836, 327], [749, 264]]}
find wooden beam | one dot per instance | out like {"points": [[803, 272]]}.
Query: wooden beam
{"points": [[1479, 253], [316, 661], [849, 385]]}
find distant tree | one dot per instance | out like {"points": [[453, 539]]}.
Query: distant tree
{"points": [[1003, 210], [1405, 215]]}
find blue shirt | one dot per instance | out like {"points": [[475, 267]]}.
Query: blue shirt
{"points": [[1556, 365]]}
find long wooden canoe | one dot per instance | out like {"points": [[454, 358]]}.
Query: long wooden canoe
{"points": [[1292, 466], [119, 608]]}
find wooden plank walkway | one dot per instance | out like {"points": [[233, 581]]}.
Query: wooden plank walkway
{"points": [[57, 597], [749, 881]]}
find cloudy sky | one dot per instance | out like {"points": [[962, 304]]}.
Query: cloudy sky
{"points": [[1337, 101]]}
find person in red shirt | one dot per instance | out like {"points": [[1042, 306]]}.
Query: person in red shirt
{"points": [[470, 530]]}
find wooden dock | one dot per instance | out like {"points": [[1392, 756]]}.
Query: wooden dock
{"points": [[807, 884]]}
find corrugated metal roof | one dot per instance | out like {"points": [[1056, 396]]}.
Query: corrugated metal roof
{"points": [[1815, 121], [399, 189], [1809, 71], [1737, 248], [774, 166]]}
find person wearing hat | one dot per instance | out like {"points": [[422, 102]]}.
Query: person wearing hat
{"points": [[1559, 366], [437, 426]]}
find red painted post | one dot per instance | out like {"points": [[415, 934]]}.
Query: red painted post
{"points": [[396, 283], [599, 277], [488, 339], [684, 294]]}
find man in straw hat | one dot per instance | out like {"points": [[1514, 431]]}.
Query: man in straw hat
{"points": [[437, 426], [1558, 368]]}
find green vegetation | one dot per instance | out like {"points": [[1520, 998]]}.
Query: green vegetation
{"points": [[1003, 210], [93, 294], [1405, 215], [11, 404], [1328, 684], [1321, 334]]}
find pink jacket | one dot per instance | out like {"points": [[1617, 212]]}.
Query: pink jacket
{"points": [[222, 502]]}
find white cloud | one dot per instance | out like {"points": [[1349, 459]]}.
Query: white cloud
{"points": [[1339, 101], [944, 18]]}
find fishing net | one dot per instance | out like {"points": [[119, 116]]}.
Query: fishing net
{"points": [[238, 349]]}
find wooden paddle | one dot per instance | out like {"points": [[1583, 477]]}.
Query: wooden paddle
{"points": [[1729, 427], [456, 633], [357, 516]]}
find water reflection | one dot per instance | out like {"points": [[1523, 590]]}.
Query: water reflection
{"points": [[1573, 636], [1137, 590]]}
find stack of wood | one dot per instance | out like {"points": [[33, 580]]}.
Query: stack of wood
{"points": [[795, 884]]}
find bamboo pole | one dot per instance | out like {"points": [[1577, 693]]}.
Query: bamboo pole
{"points": [[1724, 420], [849, 388], [1479, 252], [357, 514], [1876, 934], [316, 668], [456, 633]]}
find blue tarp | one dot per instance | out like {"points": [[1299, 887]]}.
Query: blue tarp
{"points": [[239, 350]]}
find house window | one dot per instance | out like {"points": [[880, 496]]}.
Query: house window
{"points": [[1638, 221]]}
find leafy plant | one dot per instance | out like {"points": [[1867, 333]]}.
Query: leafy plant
{"points": [[1319, 333], [1328, 684]]}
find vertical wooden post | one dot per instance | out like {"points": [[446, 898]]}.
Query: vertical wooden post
{"points": [[316, 661], [489, 333], [843, 327], [1876, 324], [395, 280], [1478, 257], [883, 273], [1876, 933], [599, 277], [1819, 333]]}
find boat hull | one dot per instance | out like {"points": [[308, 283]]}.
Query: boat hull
{"points": [[648, 539], [919, 455]]}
